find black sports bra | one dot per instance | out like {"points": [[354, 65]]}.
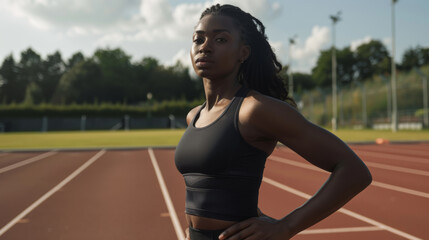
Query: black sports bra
{"points": [[222, 171]]}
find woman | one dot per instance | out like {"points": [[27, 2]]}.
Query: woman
{"points": [[247, 111]]}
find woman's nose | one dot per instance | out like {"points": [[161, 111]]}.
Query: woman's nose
{"points": [[205, 47]]}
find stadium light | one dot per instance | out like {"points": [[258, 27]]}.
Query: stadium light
{"points": [[393, 77], [291, 42], [335, 19]]}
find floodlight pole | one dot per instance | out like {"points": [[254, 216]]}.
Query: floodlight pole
{"points": [[393, 77], [290, 83], [335, 19]]}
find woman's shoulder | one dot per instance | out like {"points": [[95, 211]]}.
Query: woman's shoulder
{"points": [[255, 102], [262, 111], [192, 113]]}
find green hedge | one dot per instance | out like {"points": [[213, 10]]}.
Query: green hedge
{"points": [[160, 109]]}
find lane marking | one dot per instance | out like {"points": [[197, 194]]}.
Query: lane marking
{"points": [[368, 153], [374, 183], [51, 192], [400, 189], [341, 230], [416, 155], [397, 169], [174, 219], [27, 161], [345, 211]]}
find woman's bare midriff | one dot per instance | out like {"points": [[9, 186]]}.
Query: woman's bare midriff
{"points": [[204, 223]]}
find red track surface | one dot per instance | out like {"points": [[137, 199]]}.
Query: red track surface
{"points": [[138, 194]]}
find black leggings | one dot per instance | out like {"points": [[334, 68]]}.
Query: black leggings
{"points": [[198, 234]]}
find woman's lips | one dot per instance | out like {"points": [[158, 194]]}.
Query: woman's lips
{"points": [[203, 62]]}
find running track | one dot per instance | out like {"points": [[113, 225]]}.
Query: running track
{"points": [[138, 194]]}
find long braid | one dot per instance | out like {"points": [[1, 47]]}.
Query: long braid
{"points": [[261, 68]]}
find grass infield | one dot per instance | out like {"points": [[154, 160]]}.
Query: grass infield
{"points": [[161, 137]]}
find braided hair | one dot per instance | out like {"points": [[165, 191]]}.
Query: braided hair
{"points": [[260, 70]]}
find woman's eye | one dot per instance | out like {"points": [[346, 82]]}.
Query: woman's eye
{"points": [[221, 40], [198, 40]]}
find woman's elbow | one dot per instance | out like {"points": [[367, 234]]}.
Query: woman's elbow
{"points": [[364, 176]]}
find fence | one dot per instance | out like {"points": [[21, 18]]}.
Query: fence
{"points": [[369, 104], [84, 123]]}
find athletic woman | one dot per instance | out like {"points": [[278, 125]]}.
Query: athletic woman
{"points": [[246, 113]]}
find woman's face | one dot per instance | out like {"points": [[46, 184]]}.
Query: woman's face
{"points": [[217, 49]]}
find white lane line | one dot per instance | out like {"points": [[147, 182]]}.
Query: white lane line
{"points": [[27, 161], [345, 211], [174, 219], [341, 230], [397, 152], [400, 189], [374, 183], [51, 192], [397, 169], [397, 157]]}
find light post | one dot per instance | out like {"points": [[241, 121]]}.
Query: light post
{"points": [[393, 79], [335, 19], [291, 42]]}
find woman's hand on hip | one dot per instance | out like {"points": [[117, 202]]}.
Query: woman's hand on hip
{"points": [[257, 228]]}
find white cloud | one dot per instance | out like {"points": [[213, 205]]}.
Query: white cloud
{"points": [[279, 49], [122, 22], [261, 9], [356, 43], [304, 56], [387, 41], [145, 20]]}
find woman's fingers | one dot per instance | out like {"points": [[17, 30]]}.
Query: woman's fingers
{"points": [[234, 229]]}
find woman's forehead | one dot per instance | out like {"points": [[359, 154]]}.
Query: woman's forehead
{"points": [[213, 23]]}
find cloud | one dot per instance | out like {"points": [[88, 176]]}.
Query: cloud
{"points": [[135, 20], [304, 56], [48, 14], [387, 41], [122, 22], [356, 43], [279, 49]]}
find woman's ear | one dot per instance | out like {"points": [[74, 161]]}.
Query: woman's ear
{"points": [[245, 53]]}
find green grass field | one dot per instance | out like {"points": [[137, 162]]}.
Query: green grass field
{"points": [[164, 137]]}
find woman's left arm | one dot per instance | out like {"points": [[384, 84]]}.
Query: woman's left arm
{"points": [[276, 120]]}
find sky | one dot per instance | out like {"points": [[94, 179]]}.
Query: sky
{"points": [[163, 28]]}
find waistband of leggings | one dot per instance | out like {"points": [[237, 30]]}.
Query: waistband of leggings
{"points": [[216, 232]]}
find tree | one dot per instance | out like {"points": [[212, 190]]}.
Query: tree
{"points": [[11, 88], [346, 66], [30, 70], [322, 72], [415, 57], [53, 69], [371, 58], [116, 70], [75, 59], [302, 82], [82, 84]]}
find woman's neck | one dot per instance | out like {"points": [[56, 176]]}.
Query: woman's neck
{"points": [[217, 91]]}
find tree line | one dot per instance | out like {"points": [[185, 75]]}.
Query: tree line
{"points": [[110, 75]]}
